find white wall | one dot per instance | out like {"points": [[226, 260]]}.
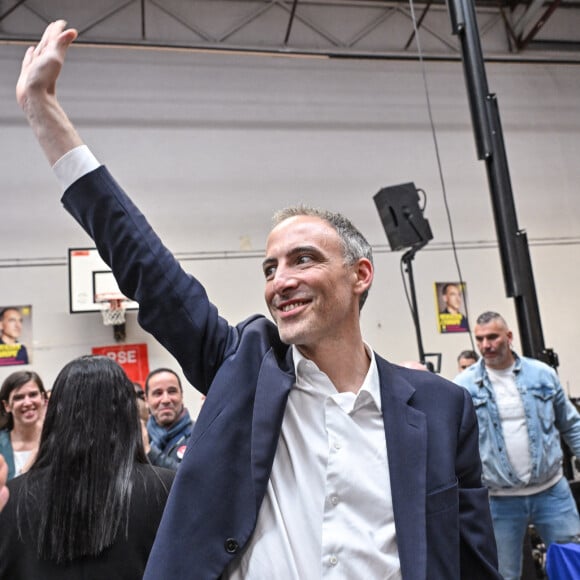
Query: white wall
{"points": [[209, 145]]}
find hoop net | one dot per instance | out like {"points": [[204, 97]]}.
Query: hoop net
{"points": [[112, 308]]}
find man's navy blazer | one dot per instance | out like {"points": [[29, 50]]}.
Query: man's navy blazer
{"points": [[440, 508]]}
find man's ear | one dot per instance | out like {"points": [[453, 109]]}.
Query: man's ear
{"points": [[364, 275]]}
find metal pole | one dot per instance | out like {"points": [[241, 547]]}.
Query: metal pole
{"points": [[407, 258], [513, 245]]}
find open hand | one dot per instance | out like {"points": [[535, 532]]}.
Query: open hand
{"points": [[42, 63]]}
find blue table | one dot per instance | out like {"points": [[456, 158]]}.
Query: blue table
{"points": [[563, 562]]}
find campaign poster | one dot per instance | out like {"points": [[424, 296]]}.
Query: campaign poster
{"points": [[450, 300], [15, 335]]}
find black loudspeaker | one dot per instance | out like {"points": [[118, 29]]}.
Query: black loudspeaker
{"points": [[402, 218]]}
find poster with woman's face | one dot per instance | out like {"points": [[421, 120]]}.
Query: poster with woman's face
{"points": [[15, 334], [450, 300]]}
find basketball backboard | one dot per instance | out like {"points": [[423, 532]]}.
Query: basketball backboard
{"points": [[89, 277]]}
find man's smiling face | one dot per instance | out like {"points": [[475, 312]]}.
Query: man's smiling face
{"points": [[311, 293]]}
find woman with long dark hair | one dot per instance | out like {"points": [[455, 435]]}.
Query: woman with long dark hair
{"points": [[22, 405], [90, 504]]}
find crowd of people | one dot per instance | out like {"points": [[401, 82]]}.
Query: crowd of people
{"points": [[90, 502], [518, 401], [312, 455]]}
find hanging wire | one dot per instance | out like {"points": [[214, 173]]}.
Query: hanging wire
{"points": [[440, 170]]}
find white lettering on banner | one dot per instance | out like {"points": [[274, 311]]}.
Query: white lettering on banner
{"points": [[124, 356]]}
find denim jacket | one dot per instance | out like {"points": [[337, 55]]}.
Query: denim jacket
{"points": [[6, 451], [549, 414]]}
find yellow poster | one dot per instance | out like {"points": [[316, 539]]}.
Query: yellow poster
{"points": [[15, 332], [450, 300]]}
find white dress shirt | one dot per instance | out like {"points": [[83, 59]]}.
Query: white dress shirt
{"points": [[328, 511], [74, 164]]}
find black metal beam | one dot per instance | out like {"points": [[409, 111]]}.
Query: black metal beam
{"points": [[513, 246], [525, 41]]}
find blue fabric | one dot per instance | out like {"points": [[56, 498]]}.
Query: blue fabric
{"points": [[163, 438], [549, 414], [440, 508], [7, 452], [553, 513], [563, 562]]}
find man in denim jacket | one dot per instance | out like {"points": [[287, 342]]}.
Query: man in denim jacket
{"points": [[522, 410]]}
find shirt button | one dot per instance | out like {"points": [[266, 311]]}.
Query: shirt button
{"points": [[333, 560], [337, 445], [334, 500]]}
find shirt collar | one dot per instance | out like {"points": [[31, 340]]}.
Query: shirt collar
{"points": [[308, 374]]}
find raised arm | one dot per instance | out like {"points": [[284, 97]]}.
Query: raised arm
{"points": [[36, 91], [173, 306]]}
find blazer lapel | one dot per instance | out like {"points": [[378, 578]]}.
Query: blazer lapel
{"points": [[406, 435], [272, 390]]}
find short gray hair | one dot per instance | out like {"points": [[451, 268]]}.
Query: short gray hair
{"points": [[354, 244], [489, 316]]}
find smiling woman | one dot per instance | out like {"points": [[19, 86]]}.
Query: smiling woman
{"points": [[23, 401]]}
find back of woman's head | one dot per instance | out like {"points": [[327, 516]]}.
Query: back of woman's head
{"points": [[92, 416], [12, 382], [79, 487]]}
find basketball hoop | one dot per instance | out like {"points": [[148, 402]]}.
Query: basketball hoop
{"points": [[112, 308]]}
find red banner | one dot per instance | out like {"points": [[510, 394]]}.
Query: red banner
{"points": [[132, 357]]}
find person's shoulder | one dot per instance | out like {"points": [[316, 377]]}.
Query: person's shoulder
{"points": [[4, 438], [151, 487], [259, 325], [436, 382], [538, 368], [152, 483], [422, 381], [260, 334], [152, 473], [534, 363], [166, 476], [470, 376], [16, 483]]}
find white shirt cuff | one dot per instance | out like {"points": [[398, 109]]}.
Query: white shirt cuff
{"points": [[74, 164]]}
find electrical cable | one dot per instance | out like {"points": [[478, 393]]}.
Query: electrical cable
{"points": [[440, 170]]}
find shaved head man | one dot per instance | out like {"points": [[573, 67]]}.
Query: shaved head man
{"points": [[522, 411]]}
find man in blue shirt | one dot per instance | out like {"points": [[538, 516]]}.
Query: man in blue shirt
{"points": [[522, 411]]}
